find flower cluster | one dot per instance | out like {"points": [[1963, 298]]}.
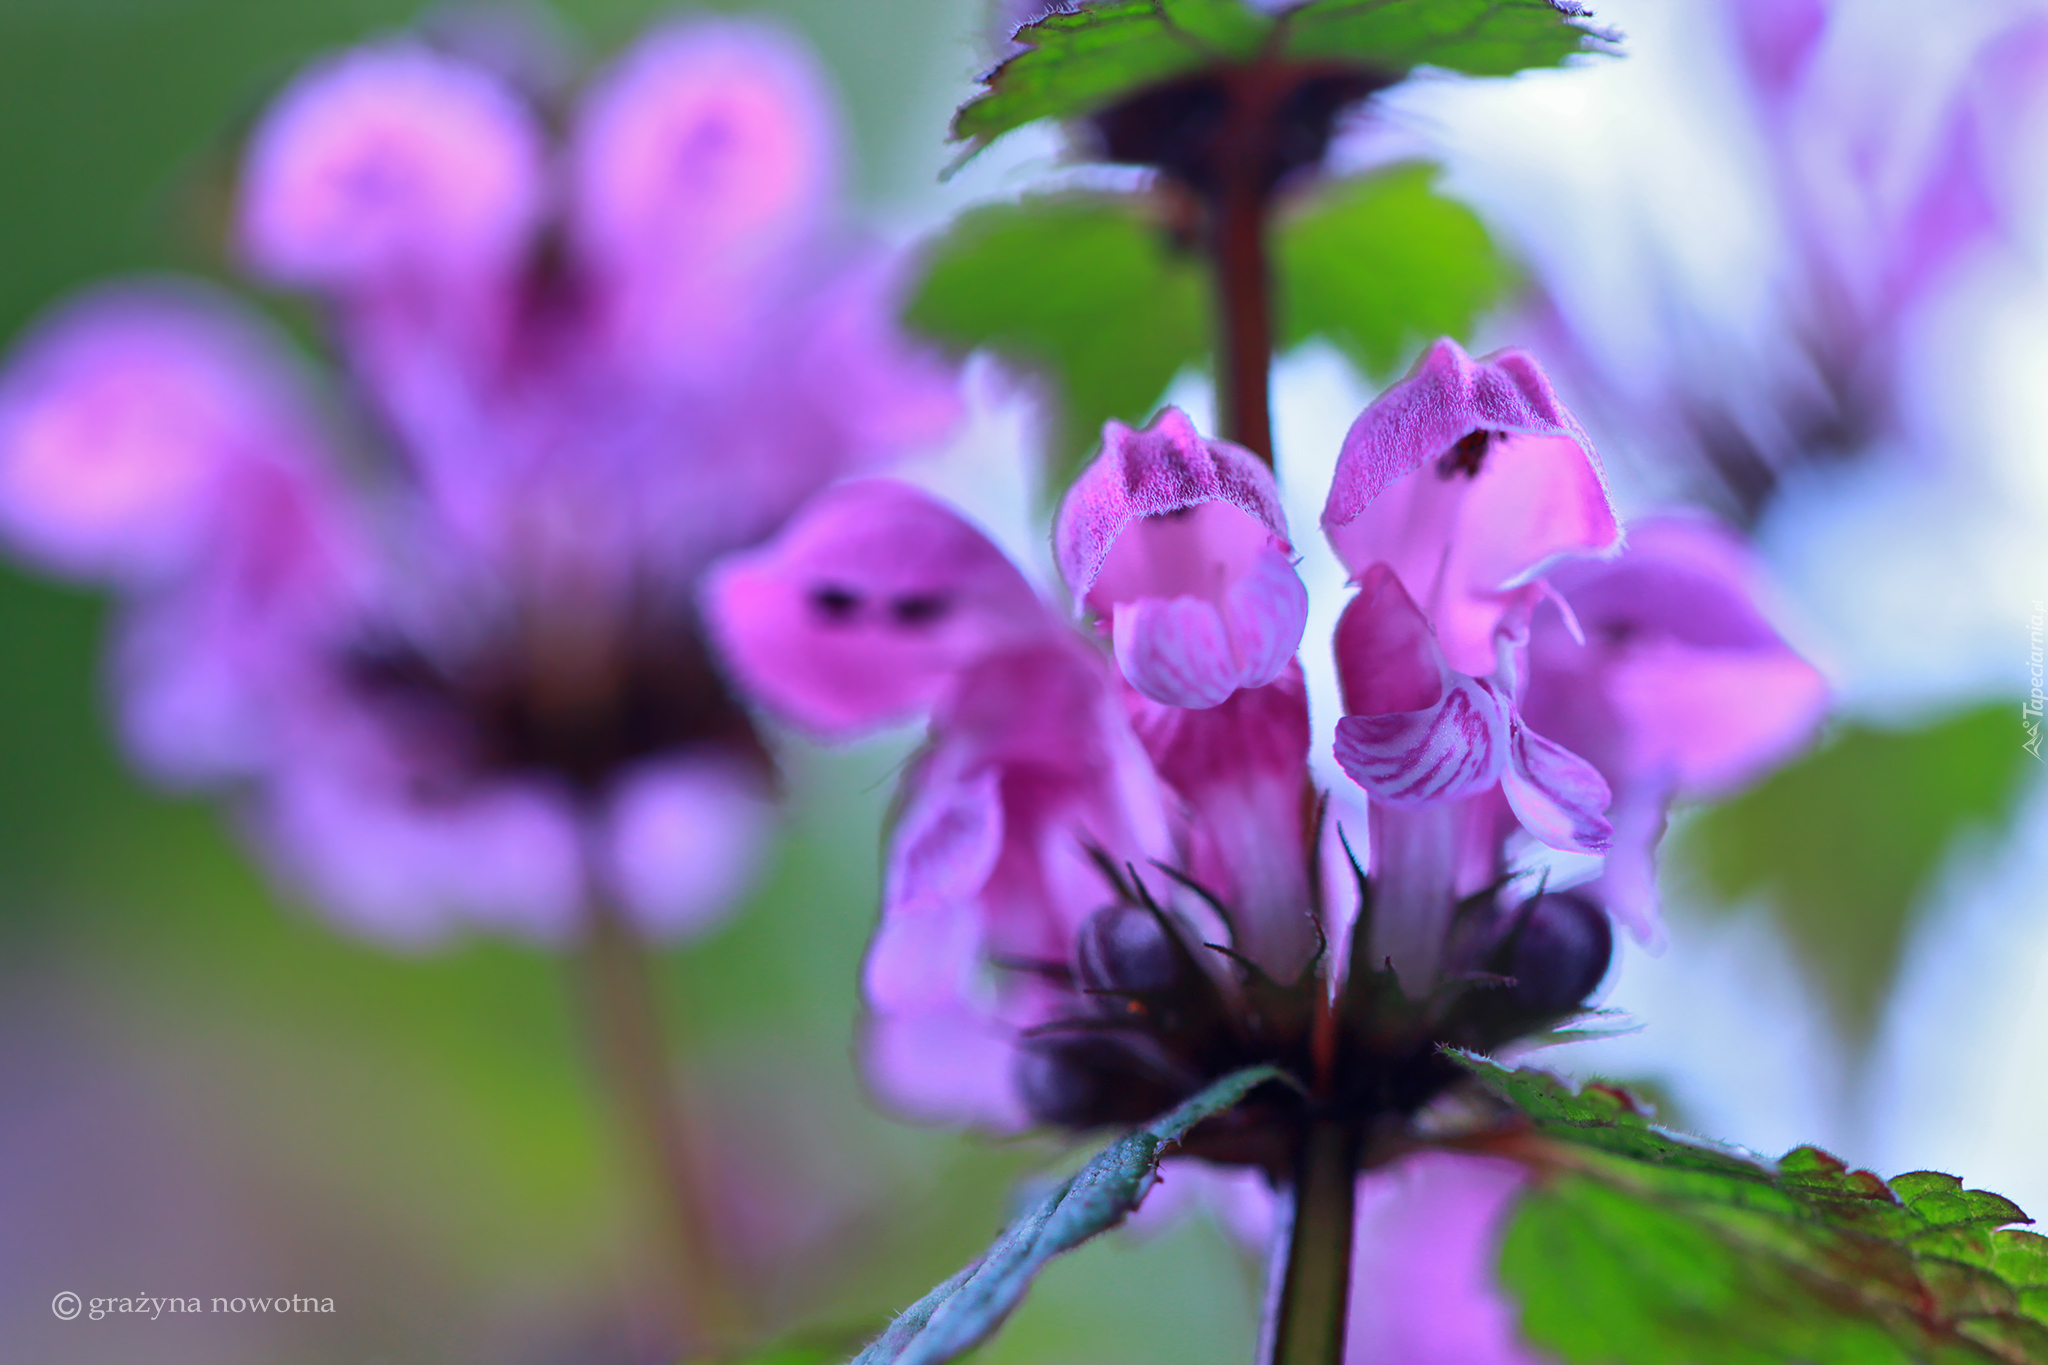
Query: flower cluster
{"points": [[1109, 880], [436, 612]]}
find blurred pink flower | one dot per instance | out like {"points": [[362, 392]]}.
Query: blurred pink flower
{"points": [[450, 647], [1886, 160], [1661, 667]]}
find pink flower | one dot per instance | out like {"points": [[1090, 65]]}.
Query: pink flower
{"points": [[1057, 807], [450, 647], [1468, 478], [1105, 885], [1423, 1282], [1668, 676], [1179, 547]]}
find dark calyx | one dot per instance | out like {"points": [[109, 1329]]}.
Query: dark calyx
{"points": [[575, 700], [1158, 1014], [1246, 126]]}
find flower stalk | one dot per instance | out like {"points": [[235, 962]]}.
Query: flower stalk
{"points": [[1239, 216], [1311, 1280], [631, 1050]]}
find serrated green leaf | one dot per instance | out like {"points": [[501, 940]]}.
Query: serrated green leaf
{"points": [[1383, 264], [1086, 288], [1076, 63], [1844, 845], [1637, 1244], [1475, 37], [960, 1313], [1080, 62]]}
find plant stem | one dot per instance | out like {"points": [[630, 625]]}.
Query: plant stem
{"points": [[625, 1021], [1238, 211], [1311, 1285]]}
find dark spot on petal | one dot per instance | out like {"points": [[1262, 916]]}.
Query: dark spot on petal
{"points": [[1467, 456], [836, 605], [919, 609]]}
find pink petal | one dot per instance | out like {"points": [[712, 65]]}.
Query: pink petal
{"points": [[1778, 39], [1466, 529], [1447, 752], [1176, 650], [1164, 469], [942, 853], [122, 419], [1387, 659], [1745, 713], [393, 168], [683, 838], [1031, 764], [1191, 651], [1180, 544], [1627, 885], [1424, 1289], [1242, 768], [945, 1067], [408, 871], [864, 608], [1416, 732], [1266, 611], [887, 393], [697, 164], [1680, 686], [1558, 796], [1683, 679]]}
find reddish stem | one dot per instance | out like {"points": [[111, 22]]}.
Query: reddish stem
{"points": [[631, 1049], [1238, 213]]}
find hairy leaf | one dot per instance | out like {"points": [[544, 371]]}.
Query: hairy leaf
{"points": [[1078, 62], [1637, 1244], [1381, 265], [1092, 290], [1087, 288], [962, 1312], [1844, 845]]}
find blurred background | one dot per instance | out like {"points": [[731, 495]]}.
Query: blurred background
{"points": [[1792, 273]]}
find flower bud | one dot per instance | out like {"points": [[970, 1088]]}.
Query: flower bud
{"points": [[1558, 952], [1127, 948]]}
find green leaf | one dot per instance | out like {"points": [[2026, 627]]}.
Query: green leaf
{"points": [[1475, 37], [1383, 264], [1092, 290], [1078, 63], [1637, 1244], [960, 1313], [1845, 845], [1087, 288]]}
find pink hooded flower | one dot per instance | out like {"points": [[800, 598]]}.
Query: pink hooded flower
{"points": [[1048, 791], [1467, 479], [1054, 808], [1179, 547], [1667, 675], [1456, 490], [461, 673], [1102, 893]]}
